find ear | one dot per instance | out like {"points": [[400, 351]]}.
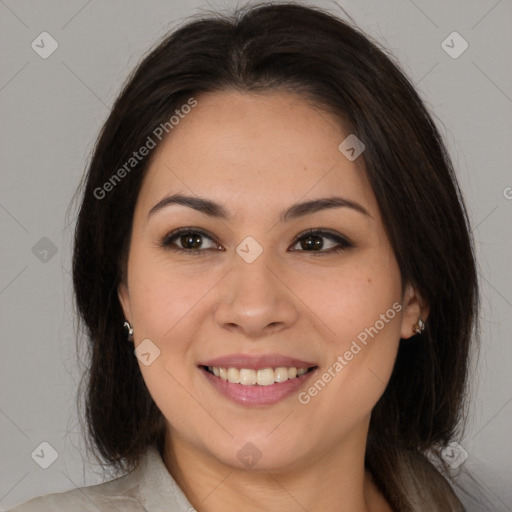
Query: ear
{"points": [[124, 299], [414, 307]]}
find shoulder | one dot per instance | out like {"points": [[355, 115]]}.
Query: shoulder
{"points": [[120, 494], [149, 487]]}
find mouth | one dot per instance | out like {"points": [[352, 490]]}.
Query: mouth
{"points": [[257, 387]]}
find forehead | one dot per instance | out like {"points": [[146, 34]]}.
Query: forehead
{"points": [[268, 149]]}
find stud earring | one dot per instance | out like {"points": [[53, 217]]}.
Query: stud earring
{"points": [[419, 327], [129, 331]]}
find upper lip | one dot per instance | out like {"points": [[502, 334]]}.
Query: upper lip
{"points": [[256, 362]]}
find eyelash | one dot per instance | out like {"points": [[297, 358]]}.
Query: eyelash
{"points": [[166, 241]]}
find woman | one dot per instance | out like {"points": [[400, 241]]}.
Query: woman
{"points": [[274, 265]]}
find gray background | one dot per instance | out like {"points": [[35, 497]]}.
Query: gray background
{"points": [[52, 110]]}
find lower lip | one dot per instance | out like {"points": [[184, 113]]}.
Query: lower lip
{"points": [[257, 395]]}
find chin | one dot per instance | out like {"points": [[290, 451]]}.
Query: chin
{"points": [[257, 453]]}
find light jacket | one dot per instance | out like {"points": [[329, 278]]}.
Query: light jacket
{"points": [[151, 488], [148, 488]]}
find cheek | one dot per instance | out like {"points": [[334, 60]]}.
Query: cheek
{"points": [[166, 305], [352, 299], [166, 298], [360, 312]]}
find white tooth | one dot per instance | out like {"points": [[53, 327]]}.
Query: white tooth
{"points": [[234, 375], [281, 374], [265, 377], [247, 377]]}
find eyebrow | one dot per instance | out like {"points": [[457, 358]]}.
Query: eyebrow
{"points": [[216, 210]]}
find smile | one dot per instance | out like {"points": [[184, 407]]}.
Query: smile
{"points": [[262, 387]]}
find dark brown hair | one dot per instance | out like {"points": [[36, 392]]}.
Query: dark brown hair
{"points": [[290, 47]]}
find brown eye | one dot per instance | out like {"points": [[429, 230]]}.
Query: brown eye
{"points": [[190, 241], [187, 240], [311, 241]]}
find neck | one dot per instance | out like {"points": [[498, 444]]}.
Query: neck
{"points": [[335, 481]]}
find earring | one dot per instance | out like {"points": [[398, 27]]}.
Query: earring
{"points": [[129, 330], [419, 327]]}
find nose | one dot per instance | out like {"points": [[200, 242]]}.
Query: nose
{"points": [[255, 300]]}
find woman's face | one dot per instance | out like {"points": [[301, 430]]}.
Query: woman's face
{"points": [[255, 292]]}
